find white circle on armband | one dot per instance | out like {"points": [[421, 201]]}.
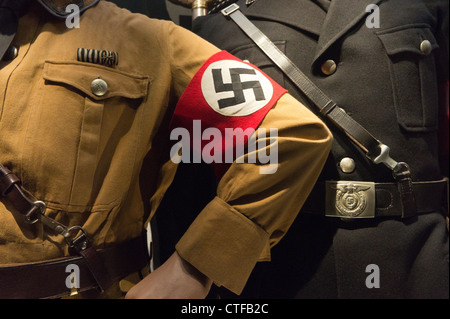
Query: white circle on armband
{"points": [[233, 88]]}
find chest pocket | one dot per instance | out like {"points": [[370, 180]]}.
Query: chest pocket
{"points": [[413, 75], [80, 131]]}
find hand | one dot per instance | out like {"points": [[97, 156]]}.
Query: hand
{"points": [[175, 279]]}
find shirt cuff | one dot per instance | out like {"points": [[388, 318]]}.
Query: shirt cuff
{"points": [[238, 237]]}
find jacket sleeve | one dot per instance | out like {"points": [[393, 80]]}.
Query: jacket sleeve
{"points": [[252, 210]]}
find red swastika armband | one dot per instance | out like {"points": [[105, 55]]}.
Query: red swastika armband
{"points": [[225, 97]]}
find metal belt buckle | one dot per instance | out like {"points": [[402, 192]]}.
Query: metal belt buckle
{"points": [[350, 199]]}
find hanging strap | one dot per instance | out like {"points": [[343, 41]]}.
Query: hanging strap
{"points": [[34, 210], [375, 150]]}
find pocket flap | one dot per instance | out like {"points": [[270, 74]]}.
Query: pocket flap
{"points": [[407, 39], [81, 75]]}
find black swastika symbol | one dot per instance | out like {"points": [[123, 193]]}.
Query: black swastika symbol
{"points": [[237, 86]]}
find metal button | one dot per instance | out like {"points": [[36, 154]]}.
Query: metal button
{"points": [[11, 53], [347, 165], [328, 67], [99, 87], [426, 47]]}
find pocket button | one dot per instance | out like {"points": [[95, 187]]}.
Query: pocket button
{"points": [[11, 53], [328, 67], [425, 47], [99, 87], [347, 165]]}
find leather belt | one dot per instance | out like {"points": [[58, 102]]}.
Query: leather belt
{"points": [[52, 278], [353, 199]]}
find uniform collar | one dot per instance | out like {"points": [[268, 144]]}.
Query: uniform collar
{"points": [[328, 25], [58, 7], [341, 17]]}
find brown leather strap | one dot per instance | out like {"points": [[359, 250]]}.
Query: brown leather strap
{"points": [[96, 267], [48, 279], [10, 187], [7, 179], [33, 211]]}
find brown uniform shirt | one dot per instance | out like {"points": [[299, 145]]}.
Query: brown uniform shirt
{"points": [[100, 161]]}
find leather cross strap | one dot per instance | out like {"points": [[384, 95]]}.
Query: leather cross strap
{"points": [[10, 188], [33, 211]]}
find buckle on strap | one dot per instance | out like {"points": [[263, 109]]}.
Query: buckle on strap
{"points": [[402, 176], [384, 157], [350, 199], [230, 9]]}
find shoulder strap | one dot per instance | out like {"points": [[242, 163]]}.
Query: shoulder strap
{"points": [[375, 150]]}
